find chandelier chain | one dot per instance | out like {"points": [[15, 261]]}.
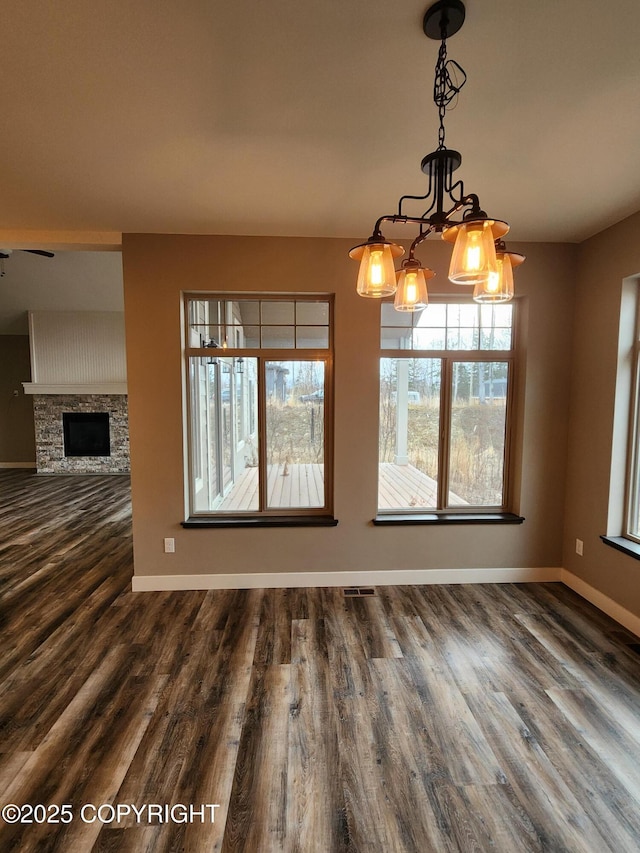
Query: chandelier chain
{"points": [[440, 90], [450, 77]]}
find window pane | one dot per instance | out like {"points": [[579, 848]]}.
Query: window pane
{"points": [[206, 321], [498, 315], [395, 332], [496, 323], [461, 338], [409, 431], [390, 317], [251, 337], [277, 337], [312, 313], [246, 312], [222, 407], [224, 473], [463, 314], [435, 314], [276, 313], [477, 436], [395, 338], [295, 434], [463, 321], [200, 471], [431, 338], [209, 335], [633, 528], [312, 337], [495, 339]]}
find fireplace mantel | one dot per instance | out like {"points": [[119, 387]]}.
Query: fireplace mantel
{"points": [[92, 388]]}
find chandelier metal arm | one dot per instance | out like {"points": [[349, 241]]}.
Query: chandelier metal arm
{"points": [[440, 217], [473, 202], [427, 195], [422, 236], [436, 222], [395, 218], [439, 166]]}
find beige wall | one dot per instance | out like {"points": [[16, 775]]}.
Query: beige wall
{"points": [[604, 262], [158, 267], [17, 441]]}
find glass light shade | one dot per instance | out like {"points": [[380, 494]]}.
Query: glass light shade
{"points": [[499, 285], [411, 294], [377, 275], [474, 254]]}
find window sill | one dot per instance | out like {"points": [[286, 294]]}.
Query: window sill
{"points": [[448, 518], [627, 546], [262, 521]]}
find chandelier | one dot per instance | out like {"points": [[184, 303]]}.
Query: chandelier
{"points": [[480, 257]]}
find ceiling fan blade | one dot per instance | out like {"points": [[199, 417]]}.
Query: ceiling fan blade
{"points": [[39, 252]]}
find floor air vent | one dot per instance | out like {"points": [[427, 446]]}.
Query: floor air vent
{"points": [[352, 591]]}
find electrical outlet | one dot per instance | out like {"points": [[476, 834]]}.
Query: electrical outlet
{"points": [[579, 547], [169, 546]]}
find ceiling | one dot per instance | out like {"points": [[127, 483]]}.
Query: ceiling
{"points": [[71, 281], [311, 118]]}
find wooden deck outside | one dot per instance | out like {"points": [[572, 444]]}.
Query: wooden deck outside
{"points": [[400, 487], [404, 487], [301, 487]]}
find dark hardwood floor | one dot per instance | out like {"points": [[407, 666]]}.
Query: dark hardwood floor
{"points": [[439, 718]]}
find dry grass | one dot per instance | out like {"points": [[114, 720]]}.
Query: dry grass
{"points": [[295, 433]]}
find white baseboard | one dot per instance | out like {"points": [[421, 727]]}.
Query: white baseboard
{"points": [[401, 577], [17, 464], [630, 621]]}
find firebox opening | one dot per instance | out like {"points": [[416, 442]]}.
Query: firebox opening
{"points": [[86, 434]]}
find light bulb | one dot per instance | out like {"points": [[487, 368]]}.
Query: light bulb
{"points": [[499, 285], [411, 294], [493, 284], [473, 259], [411, 289], [375, 268], [474, 255], [376, 276]]}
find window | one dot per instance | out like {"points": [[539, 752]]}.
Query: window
{"points": [[259, 389], [632, 526], [446, 378], [623, 515]]}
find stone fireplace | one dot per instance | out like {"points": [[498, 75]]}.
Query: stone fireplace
{"points": [[50, 444]]}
